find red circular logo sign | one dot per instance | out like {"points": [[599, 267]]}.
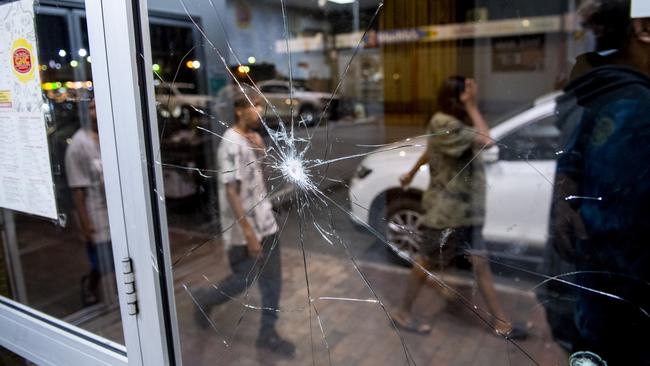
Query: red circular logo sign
{"points": [[22, 60]]}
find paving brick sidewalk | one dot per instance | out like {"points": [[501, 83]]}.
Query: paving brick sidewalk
{"points": [[357, 333]]}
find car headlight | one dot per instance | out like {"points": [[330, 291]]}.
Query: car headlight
{"points": [[363, 172]]}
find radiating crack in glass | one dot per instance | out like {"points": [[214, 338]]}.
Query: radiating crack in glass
{"points": [[285, 22], [293, 171], [256, 276], [600, 273], [407, 353], [584, 198], [205, 315], [287, 162], [292, 167], [559, 279], [338, 86], [322, 331], [306, 272], [201, 244], [481, 314]]}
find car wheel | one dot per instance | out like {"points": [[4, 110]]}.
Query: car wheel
{"points": [[308, 115], [403, 227]]}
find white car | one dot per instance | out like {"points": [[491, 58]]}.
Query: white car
{"points": [[307, 105], [180, 100], [520, 170]]}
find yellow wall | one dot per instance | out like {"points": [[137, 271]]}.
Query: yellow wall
{"points": [[413, 71]]}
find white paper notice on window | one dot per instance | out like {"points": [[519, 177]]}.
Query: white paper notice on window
{"points": [[640, 8], [25, 171]]}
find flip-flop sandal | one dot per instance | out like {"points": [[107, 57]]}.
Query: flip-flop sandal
{"points": [[517, 333], [413, 326]]}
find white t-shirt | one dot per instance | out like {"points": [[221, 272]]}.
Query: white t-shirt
{"points": [[238, 162], [83, 166]]}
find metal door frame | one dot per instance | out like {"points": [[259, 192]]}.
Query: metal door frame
{"points": [[126, 115]]}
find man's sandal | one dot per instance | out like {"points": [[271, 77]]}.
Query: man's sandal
{"points": [[412, 325], [517, 333]]}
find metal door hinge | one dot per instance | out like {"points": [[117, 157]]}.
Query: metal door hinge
{"points": [[129, 286]]}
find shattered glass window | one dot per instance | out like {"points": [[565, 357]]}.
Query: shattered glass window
{"points": [[369, 182]]}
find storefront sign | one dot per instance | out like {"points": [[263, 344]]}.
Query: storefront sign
{"points": [[522, 53], [495, 28], [401, 35], [25, 173], [301, 44], [449, 32], [368, 39]]}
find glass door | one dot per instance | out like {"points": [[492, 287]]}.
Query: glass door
{"points": [[58, 263], [342, 191], [81, 279]]}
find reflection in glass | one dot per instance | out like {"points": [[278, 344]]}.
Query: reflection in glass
{"points": [[599, 213], [64, 268], [342, 93]]}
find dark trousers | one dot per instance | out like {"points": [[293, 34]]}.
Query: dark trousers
{"points": [[244, 271], [440, 247], [100, 256]]}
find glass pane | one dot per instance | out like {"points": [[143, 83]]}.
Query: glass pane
{"points": [[63, 266], [405, 182]]}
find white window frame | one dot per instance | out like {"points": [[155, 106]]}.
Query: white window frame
{"points": [[135, 215]]}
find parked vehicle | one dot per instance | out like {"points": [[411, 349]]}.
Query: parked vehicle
{"points": [[520, 170], [181, 101], [307, 105]]}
